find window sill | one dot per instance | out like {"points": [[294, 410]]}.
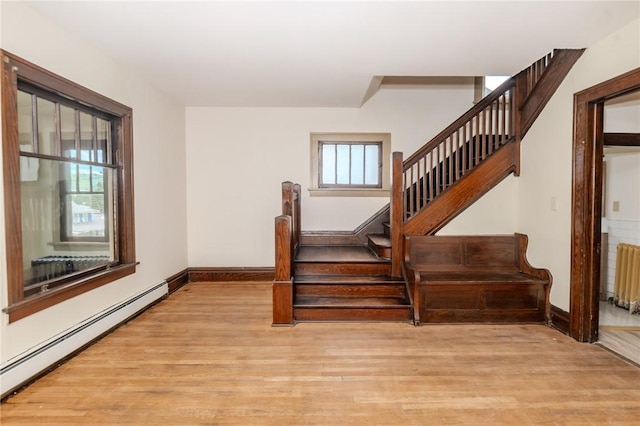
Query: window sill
{"points": [[41, 301], [80, 245], [348, 192]]}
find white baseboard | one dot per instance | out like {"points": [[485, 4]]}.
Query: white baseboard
{"points": [[23, 368]]}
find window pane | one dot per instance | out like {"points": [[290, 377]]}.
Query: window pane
{"points": [[68, 128], [343, 163], [357, 164], [46, 127], [86, 218], [104, 131], [49, 215], [25, 122], [328, 164], [372, 165], [84, 178], [86, 134]]}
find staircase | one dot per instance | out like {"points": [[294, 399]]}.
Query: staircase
{"points": [[347, 283], [357, 276]]}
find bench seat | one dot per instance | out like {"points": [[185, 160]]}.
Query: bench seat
{"points": [[475, 279]]}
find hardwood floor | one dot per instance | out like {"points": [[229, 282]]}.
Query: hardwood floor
{"points": [[208, 355], [619, 331]]}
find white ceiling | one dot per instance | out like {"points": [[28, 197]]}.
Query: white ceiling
{"points": [[326, 53]]}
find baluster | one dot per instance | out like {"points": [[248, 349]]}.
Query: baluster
{"points": [[431, 178], [503, 117], [412, 209], [482, 135], [456, 144], [437, 170], [449, 156], [425, 201], [490, 130], [464, 149]]}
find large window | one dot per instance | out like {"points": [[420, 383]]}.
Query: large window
{"points": [[350, 163], [67, 157]]}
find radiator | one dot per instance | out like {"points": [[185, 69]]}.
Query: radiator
{"points": [[49, 267], [627, 282]]}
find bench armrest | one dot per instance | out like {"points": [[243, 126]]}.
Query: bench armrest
{"points": [[412, 278]]}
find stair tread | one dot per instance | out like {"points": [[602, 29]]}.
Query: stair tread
{"points": [[337, 254], [348, 279], [380, 240], [351, 302]]}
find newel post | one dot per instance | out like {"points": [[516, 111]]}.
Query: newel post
{"points": [[397, 219], [283, 282]]}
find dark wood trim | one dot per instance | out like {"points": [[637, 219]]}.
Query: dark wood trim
{"points": [[14, 70], [178, 280], [218, 274], [558, 68], [59, 294], [396, 215], [587, 199], [11, 175], [444, 208], [559, 319], [40, 77], [622, 139]]}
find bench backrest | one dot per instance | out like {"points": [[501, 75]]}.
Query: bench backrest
{"points": [[470, 253]]}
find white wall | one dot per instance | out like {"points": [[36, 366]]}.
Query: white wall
{"points": [[545, 180], [238, 157], [159, 169]]}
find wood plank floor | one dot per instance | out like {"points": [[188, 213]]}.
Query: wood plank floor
{"points": [[208, 355], [619, 331]]}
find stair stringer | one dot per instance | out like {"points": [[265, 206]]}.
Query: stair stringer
{"points": [[467, 190]]}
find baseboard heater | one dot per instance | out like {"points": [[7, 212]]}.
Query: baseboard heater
{"points": [[19, 370]]}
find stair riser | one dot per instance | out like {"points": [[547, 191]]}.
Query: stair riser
{"points": [[350, 290], [342, 269], [383, 252], [352, 314]]}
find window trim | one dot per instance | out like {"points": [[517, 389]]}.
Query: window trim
{"points": [[353, 138], [14, 68]]}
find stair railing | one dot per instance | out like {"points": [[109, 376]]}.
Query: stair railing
{"points": [[503, 116], [458, 149], [287, 230]]}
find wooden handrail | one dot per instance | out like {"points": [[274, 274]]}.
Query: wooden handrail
{"points": [[490, 124], [464, 118]]}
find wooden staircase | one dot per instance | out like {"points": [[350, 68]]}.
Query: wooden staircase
{"points": [[357, 276], [347, 283]]}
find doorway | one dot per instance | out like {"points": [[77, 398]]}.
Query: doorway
{"points": [[588, 149], [618, 328]]}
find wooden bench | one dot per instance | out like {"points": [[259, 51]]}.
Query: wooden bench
{"points": [[475, 279]]}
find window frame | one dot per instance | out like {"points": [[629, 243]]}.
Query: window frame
{"points": [[14, 69], [352, 190], [350, 144]]}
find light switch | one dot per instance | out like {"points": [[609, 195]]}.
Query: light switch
{"points": [[616, 206], [554, 204]]}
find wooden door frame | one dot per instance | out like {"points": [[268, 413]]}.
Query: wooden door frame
{"points": [[588, 143]]}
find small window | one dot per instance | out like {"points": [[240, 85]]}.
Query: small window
{"points": [[350, 164]]}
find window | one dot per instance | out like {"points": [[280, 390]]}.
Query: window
{"points": [[487, 84], [67, 163], [350, 164]]}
